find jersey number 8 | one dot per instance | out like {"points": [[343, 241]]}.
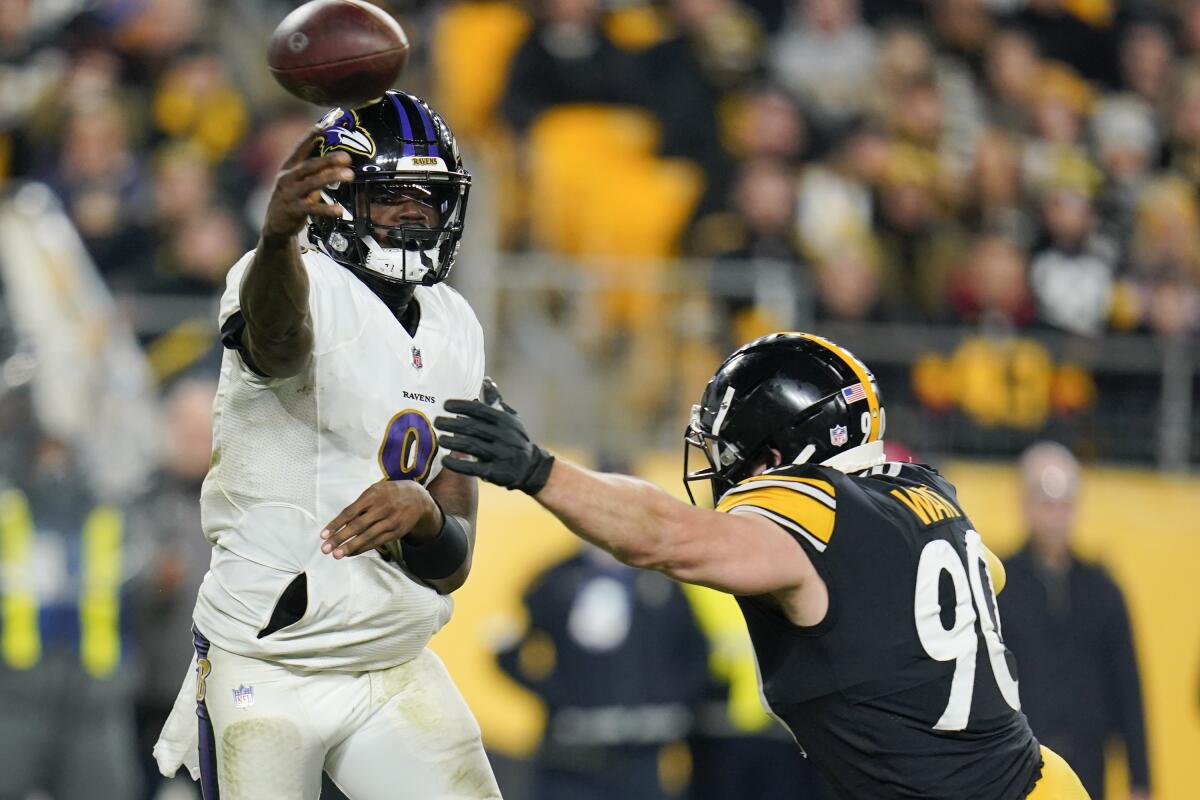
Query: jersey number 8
{"points": [[959, 642]]}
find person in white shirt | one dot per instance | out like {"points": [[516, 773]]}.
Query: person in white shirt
{"points": [[312, 657]]}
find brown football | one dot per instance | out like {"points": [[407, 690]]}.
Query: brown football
{"points": [[337, 52]]}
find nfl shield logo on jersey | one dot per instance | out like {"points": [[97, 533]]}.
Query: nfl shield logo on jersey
{"points": [[416, 355], [243, 696], [838, 435]]}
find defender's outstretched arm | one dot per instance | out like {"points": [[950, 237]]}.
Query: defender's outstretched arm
{"points": [[634, 520], [645, 527]]}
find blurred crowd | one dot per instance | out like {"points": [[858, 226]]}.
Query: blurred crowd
{"points": [[1030, 164], [160, 153]]}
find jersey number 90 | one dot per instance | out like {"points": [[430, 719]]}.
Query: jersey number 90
{"points": [[973, 601]]}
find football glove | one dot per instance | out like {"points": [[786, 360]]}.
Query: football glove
{"points": [[490, 430]]}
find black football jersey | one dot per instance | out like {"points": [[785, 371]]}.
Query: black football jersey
{"points": [[905, 689]]}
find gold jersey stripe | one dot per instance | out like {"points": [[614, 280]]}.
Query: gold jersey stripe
{"points": [[864, 377], [783, 522], [823, 487], [806, 512]]}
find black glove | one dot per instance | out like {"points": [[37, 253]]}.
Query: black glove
{"points": [[491, 431]]}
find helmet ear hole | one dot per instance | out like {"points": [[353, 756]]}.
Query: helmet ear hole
{"points": [[767, 458]]}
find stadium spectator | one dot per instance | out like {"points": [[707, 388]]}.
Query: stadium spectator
{"points": [[754, 241], [1067, 624], [825, 56], [1073, 266], [196, 102], [1183, 131], [193, 236], [1061, 102], [177, 560], [619, 661], [916, 116], [151, 34], [66, 710], [848, 282], [726, 38], [989, 288], [905, 56], [907, 59], [919, 241], [1126, 141], [183, 181], [836, 200], [993, 199], [261, 156], [770, 125], [566, 58], [197, 254], [1187, 17], [1146, 53], [30, 69], [683, 79], [1083, 35], [963, 29], [1010, 69], [98, 174], [764, 214], [1163, 280]]}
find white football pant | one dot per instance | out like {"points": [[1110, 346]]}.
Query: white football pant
{"points": [[404, 733]]}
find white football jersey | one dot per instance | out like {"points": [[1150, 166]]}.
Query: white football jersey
{"points": [[289, 454]]}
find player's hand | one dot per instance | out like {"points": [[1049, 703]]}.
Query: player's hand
{"points": [[297, 187], [491, 431], [386, 511]]}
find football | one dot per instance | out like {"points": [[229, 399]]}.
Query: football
{"points": [[337, 52]]}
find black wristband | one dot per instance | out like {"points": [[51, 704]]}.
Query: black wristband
{"points": [[441, 556]]}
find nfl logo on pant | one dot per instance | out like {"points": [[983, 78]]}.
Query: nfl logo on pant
{"points": [[243, 696]]}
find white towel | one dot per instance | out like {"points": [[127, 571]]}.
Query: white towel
{"points": [[179, 743]]}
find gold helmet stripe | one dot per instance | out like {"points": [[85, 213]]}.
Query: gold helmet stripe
{"points": [[861, 372]]}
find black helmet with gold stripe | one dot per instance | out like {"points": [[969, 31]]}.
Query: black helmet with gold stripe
{"points": [[786, 398]]}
